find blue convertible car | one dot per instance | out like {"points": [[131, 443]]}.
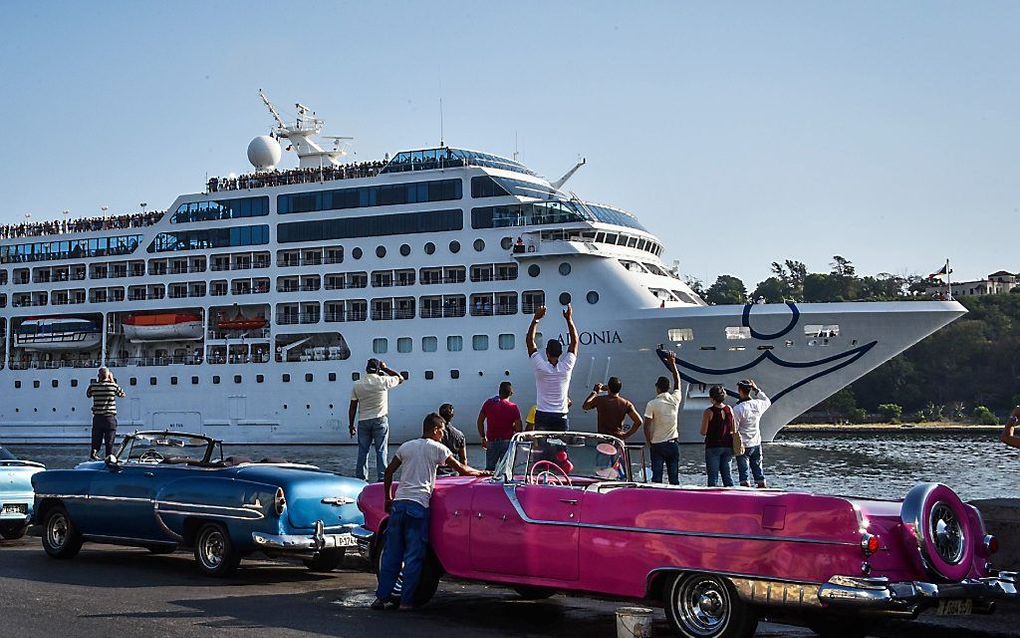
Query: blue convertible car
{"points": [[15, 494], [168, 490]]}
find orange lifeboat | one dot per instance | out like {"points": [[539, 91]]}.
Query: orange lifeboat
{"points": [[163, 326], [241, 323]]}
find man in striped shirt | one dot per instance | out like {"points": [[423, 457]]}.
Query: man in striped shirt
{"points": [[104, 393]]}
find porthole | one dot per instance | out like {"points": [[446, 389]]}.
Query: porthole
{"points": [[35, 384], [380, 251], [308, 377], [534, 270], [173, 380], [592, 297], [260, 378], [564, 298], [237, 378], [286, 378], [194, 380], [17, 384], [506, 243], [216, 380], [152, 381], [454, 374], [355, 376], [454, 246], [430, 248], [479, 245], [430, 375], [55, 383], [74, 383], [332, 377], [133, 381], [565, 268], [356, 253], [405, 250]]}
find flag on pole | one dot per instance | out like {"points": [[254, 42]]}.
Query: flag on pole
{"points": [[942, 273]]}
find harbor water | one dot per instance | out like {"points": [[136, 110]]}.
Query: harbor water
{"points": [[877, 465]]}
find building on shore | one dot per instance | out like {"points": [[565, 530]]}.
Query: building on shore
{"points": [[994, 284]]}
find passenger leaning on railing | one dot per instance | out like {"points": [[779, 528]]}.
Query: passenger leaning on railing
{"points": [[104, 392]]}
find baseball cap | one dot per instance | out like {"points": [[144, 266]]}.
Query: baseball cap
{"points": [[373, 365]]}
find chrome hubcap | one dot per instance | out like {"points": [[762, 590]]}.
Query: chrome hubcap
{"points": [[57, 531], [702, 605], [213, 548], [946, 533]]}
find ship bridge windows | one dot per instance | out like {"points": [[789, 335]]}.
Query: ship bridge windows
{"points": [[532, 300], [210, 238], [221, 209], [371, 226], [388, 278], [821, 334], [368, 196], [734, 333], [76, 249], [445, 157], [679, 335], [346, 310], [489, 186], [537, 213]]}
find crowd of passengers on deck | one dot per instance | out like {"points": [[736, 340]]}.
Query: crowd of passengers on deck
{"points": [[80, 225], [296, 176]]}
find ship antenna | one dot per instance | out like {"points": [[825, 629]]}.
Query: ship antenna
{"points": [[442, 137]]}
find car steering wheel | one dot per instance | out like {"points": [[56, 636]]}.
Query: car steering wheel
{"points": [[151, 456], [556, 473]]}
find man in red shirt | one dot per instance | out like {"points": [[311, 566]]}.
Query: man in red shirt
{"points": [[504, 419]]}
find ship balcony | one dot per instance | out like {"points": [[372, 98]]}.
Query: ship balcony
{"points": [[351, 315], [300, 318], [535, 246], [159, 361], [261, 333], [54, 365]]}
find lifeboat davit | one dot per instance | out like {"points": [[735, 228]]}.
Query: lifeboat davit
{"points": [[57, 334], [164, 326], [240, 322]]}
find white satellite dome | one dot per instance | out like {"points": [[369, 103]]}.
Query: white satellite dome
{"points": [[264, 153]]}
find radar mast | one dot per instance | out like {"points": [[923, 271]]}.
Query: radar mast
{"points": [[301, 137]]}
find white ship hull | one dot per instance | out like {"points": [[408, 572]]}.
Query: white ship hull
{"points": [[435, 267]]}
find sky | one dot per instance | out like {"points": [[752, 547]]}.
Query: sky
{"points": [[740, 133]]}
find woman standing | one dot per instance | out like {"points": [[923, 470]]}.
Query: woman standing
{"points": [[717, 428]]}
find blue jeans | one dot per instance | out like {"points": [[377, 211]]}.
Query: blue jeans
{"points": [[666, 453], [497, 448], [717, 461], [407, 540], [551, 421], [750, 463], [372, 432]]}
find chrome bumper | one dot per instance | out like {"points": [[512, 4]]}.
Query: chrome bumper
{"points": [[878, 595], [364, 537], [318, 541]]}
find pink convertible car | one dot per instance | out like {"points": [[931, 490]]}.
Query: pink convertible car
{"points": [[563, 513]]}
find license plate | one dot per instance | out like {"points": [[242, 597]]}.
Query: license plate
{"points": [[14, 508], [347, 540], [955, 607]]}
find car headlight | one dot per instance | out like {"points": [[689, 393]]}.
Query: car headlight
{"points": [[280, 502]]}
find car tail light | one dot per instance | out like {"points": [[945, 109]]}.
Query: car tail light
{"points": [[991, 544], [870, 544], [280, 502]]}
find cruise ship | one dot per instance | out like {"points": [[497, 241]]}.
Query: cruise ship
{"points": [[246, 311]]}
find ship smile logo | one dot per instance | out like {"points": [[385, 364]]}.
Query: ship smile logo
{"points": [[597, 337]]}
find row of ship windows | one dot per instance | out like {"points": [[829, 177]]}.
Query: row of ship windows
{"points": [[360, 197], [237, 379], [816, 335]]}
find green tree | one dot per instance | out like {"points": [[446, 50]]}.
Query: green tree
{"points": [[727, 289], [772, 290]]}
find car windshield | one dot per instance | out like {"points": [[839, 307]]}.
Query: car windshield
{"points": [[166, 448], [563, 457], [5, 455]]}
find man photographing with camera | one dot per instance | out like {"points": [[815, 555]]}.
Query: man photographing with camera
{"points": [[611, 409], [104, 392]]}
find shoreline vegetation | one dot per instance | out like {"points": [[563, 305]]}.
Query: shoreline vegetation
{"points": [[934, 427], [967, 372]]}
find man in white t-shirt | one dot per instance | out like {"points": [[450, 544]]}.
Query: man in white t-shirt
{"points": [[370, 402], [661, 426], [407, 531], [552, 373], [747, 415]]}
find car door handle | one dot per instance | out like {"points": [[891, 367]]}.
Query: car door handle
{"points": [[153, 475], [569, 501]]}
